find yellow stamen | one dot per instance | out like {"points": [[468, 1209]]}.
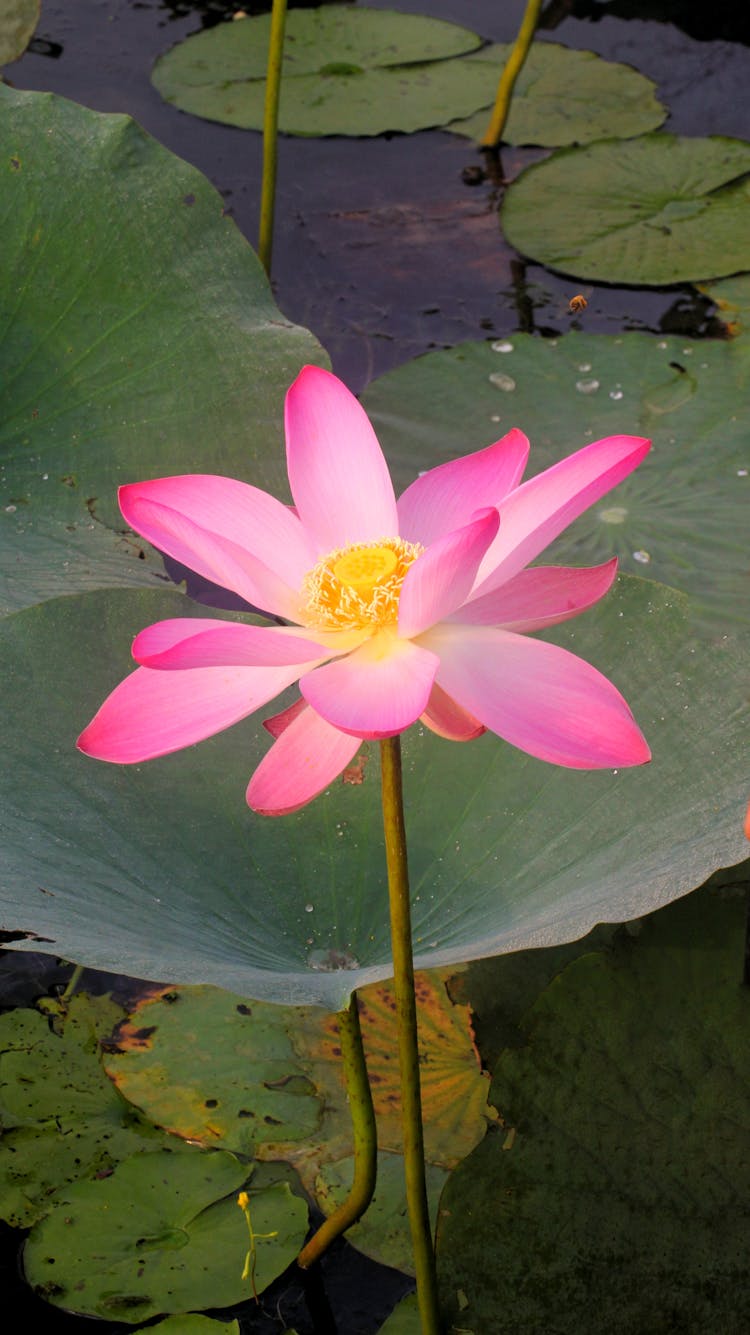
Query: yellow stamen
{"points": [[364, 567], [358, 587]]}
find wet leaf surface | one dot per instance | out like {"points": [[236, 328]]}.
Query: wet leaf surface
{"points": [[160, 870], [680, 518]]}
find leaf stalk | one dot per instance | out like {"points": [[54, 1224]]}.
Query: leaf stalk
{"points": [[365, 1138], [408, 1051], [270, 133], [513, 67]]}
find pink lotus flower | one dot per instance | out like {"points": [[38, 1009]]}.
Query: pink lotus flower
{"points": [[416, 609]]}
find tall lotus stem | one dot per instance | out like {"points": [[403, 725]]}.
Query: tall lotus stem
{"points": [[270, 133], [513, 67], [406, 1012], [365, 1138]]}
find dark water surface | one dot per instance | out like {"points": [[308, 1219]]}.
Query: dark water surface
{"points": [[384, 252], [380, 248]]}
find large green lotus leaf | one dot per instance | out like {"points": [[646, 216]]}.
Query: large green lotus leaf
{"points": [[212, 1067], [681, 517], [18, 19], [655, 210], [62, 1119], [345, 71], [624, 1190], [139, 339], [565, 97], [162, 1234], [159, 870]]}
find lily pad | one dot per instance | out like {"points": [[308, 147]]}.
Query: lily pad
{"points": [[193, 1323], [62, 1119], [244, 1076], [140, 340], [655, 210], [624, 1188], [212, 1067], [732, 296], [160, 870], [345, 71], [681, 517], [18, 21], [383, 1231], [162, 1234], [404, 1319], [563, 96]]}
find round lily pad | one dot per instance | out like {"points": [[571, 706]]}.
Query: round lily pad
{"points": [[240, 1075], [383, 1231], [345, 71], [215, 1068], [18, 19], [193, 1323], [162, 1234], [563, 96], [680, 518], [655, 210], [141, 340], [62, 1118], [623, 1187]]}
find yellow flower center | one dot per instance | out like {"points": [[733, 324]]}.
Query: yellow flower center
{"points": [[358, 587]]}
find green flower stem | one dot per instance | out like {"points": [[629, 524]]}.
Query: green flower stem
{"points": [[406, 1012], [73, 982], [365, 1138], [270, 133], [513, 67]]}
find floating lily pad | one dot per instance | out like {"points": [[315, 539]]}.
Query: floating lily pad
{"points": [[215, 1068], [563, 96], [404, 1319], [732, 296], [162, 1234], [345, 71], [193, 1323], [140, 340], [160, 870], [241, 1075], [383, 1231], [18, 19], [624, 1188], [655, 210], [681, 517], [62, 1119]]}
